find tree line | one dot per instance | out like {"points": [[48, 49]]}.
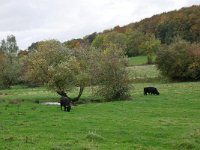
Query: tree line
{"points": [[9, 68], [166, 27], [50, 63], [100, 59], [60, 68]]}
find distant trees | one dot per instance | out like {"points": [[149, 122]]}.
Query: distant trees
{"points": [[133, 43], [9, 45], [75, 43], [150, 47], [98, 42], [9, 68], [138, 43], [134, 40], [180, 61], [3, 46], [174, 27], [89, 38], [103, 41]]}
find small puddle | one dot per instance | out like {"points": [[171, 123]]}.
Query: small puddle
{"points": [[50, 103]]}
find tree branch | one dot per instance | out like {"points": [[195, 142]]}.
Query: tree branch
{"points": [[62, 93]]}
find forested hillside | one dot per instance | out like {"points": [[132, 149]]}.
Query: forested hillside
{"points": [[183, 23]]}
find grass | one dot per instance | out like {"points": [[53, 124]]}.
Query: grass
{"points": [[168, 121], [143, 73], [29, 94], [138, 60]]}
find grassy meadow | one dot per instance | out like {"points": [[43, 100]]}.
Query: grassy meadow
{"points": [[143, 72], [169, 121], [138, 60]]}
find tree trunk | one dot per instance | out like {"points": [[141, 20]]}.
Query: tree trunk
{"points": [[62, 93], [79, 95], [149, 59]]}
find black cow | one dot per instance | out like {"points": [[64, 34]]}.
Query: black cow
{"points": [[151, 90], [66, 103]]}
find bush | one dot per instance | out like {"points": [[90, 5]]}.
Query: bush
{"points": [[180, 61], [110, 74]]}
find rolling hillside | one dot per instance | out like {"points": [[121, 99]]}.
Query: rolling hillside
{"points": [[184, 23]]}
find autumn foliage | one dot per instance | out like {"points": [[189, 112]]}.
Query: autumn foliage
{"points": [[180, 61]]}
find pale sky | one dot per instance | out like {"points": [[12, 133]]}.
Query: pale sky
{"points": [[35, 20]]}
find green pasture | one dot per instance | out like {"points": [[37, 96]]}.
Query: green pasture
{"points": [[138, 60], [143, 73], [168, 121]]}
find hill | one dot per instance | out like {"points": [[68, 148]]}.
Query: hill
{"points": [[184, 23]]}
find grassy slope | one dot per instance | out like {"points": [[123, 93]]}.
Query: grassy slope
{"points": [[143, 72], [138, 60], [168, 121]]}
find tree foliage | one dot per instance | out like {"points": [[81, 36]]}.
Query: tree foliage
{"points": [[180, 61], [110, 74], [166, 27], [63, 69], [9, 45], [75, 43], [98, 42], [150, 47], [134, 40], [53, 65], [103, 41], [9, 68]]}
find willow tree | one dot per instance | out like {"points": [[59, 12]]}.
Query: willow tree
{"points": [[63, 69], [54, 66]]}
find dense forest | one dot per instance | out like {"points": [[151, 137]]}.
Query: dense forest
{"points": [[183, 23]]}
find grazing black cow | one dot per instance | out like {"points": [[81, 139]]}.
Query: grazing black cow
{"points": [[66, 103], [151, 90]]}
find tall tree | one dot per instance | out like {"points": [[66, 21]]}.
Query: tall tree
{"points": [[54, 66], [3, 46], [150, 47], [115, 38], [11, 44], [9, 73], [134, 40], [98, 42], [103, 41]]}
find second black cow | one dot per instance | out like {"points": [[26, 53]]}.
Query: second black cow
{"points": [[66, 103], [151, 90]]}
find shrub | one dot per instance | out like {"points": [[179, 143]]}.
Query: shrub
{"points": [[110, 74], [180, 61]]}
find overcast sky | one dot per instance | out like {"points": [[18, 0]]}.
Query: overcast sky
{"points": [[36, 20]]}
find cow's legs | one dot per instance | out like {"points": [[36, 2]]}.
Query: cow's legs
{"points": [[61, 106], [68, 108], [65, 108]]}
